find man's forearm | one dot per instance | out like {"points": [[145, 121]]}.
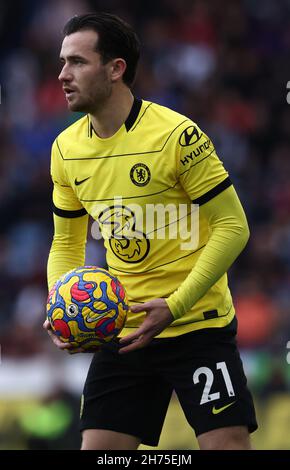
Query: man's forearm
{"points": [[68, 247], [229, 236]]}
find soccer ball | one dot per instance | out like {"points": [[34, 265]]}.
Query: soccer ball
{"points": [[87, 307]]}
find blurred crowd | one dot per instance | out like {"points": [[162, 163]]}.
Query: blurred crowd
{"points": [[223, 63]]}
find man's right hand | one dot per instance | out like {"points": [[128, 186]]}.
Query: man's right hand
{"points": [[57, 341], [69, 347]]}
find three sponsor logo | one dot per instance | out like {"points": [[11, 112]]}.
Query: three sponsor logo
{"points": [[129, 228], [118, 225]]}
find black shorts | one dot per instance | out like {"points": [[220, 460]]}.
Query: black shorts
{"points": [[130, 393]]}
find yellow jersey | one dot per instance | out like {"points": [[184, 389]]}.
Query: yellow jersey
{"points": [[142, 186]]}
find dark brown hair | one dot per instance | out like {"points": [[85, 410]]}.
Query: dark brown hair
{"points": [[115, 39]]}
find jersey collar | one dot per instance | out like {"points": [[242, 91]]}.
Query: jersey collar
{"points": [[131, 119]]}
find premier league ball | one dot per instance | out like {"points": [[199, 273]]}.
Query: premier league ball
{"points": [[87, 307]]}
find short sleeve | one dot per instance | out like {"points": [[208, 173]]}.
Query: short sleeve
{"points": [[65, 201], [200, 171]]}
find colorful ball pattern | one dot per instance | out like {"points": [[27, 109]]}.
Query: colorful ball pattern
{"points": [[87, 307]]}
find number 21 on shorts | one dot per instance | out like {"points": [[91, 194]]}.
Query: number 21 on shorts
{"points": [[206, 395]]}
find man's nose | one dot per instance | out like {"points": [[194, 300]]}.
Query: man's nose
{"points": [[65, 75]]}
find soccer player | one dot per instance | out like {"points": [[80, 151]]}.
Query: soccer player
{"points": [[180, 333]]}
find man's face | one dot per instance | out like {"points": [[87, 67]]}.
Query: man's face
{"points": [[85, 79]]}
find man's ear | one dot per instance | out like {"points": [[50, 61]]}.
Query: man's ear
{"points": [[118, 67]]}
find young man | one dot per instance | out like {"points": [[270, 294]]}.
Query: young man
{"points": [[180, 334]]}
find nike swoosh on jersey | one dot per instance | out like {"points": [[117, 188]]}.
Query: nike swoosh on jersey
{"points": [[216, 411], [77, 183]]}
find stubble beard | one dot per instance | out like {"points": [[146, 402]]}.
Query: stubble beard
{"points": [[93, 103]]}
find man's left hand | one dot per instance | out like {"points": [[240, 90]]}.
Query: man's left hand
{"points": [[158, 317]]}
